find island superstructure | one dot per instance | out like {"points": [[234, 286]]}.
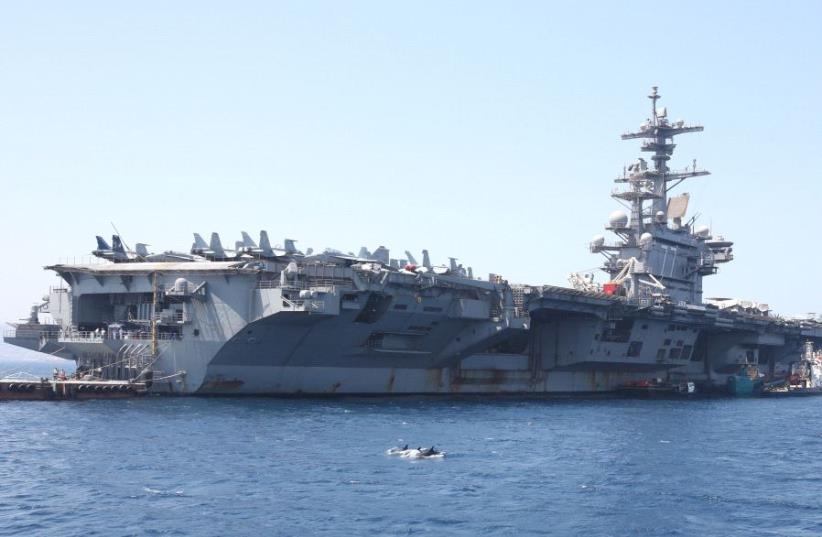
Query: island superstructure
{"points": [[659, 254], [650, 315], [263, 319]]}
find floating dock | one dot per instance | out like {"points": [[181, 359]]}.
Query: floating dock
{"points": [[30, 388]]}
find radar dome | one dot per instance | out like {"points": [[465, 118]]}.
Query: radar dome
{"points": [[645, 239], [598, 240], [660, 216], [618, 219], [702, 231], [180, 285]]}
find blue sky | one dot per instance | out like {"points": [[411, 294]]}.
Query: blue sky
{"points": [[484, 131]]}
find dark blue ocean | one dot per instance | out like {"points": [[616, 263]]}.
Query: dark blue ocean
{"points": [[587, 467]]}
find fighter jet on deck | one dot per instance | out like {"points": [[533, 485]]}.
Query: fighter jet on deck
{"points": [[265, 250], [213, 250], [118, 253]]}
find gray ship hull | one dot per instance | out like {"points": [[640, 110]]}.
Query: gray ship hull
{"points": [[245, 336]]}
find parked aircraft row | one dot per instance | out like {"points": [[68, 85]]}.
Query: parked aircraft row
{"points": [[248, 249], [118, 253]]}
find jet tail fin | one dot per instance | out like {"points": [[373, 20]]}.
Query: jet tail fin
{"points": [[290, 248], [410, 257], [426, 261], [117, 245], [199, 242], [265, 244], [141, 249], [216, 246], [248, 242], [102, 244], [383, 255]]}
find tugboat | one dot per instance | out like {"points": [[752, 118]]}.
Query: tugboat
{"points": [[804, 378], [748, 381]]}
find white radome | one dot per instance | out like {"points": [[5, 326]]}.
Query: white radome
{"points": [[618, 219]]}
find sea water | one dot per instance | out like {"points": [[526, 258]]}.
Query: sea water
{"points": [[298, 467]]}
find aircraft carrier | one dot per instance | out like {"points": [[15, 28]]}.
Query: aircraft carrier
{"points": [[263, 319]]}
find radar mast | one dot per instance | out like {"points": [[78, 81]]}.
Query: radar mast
{"points": [[658, 256], [654, 184]]}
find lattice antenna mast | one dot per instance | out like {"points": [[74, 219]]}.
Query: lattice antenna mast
{"points": [[654, 183]]}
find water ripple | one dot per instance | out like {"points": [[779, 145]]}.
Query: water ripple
{"points": [[159, 466]]}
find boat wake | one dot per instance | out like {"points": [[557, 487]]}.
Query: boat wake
{"points": [[418, 453]]}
